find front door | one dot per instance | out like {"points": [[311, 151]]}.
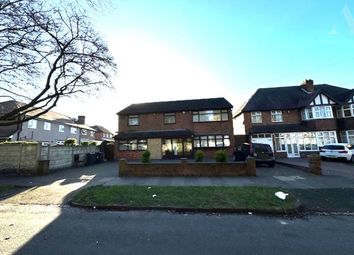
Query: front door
{"points": [[292, 146]]}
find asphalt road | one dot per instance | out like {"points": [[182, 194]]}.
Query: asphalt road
{"points": [[38, 229]]}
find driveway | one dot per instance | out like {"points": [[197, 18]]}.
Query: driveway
{"points": [[58, 187], [338, 168]]}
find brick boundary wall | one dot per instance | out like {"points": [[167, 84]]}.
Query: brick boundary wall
{"points": [[185, 168]]}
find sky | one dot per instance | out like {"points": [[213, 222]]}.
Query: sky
{"points": [[190, 49]]}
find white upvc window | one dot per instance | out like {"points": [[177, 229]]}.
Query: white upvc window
{"points": [[47, 126], [326, 137], [73, 130], [61, 128], [256, 117], [345, 111], [318, 112], [277, 116], [83, 131], [92, 133], [32, 124]]}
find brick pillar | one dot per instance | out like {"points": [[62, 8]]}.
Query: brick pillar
{"points": [[315, 164]]}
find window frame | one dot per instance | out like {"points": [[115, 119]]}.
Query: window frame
{"points": [[256, 117], [131, 118], [61, 128], [275, 114], [317, 112], [211, 141], [47, 126], [137, 144], [209, 115], [167, 116], [73, 130], [32, 124]]}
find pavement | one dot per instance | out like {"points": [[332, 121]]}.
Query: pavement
{"points": [[58, 187]]}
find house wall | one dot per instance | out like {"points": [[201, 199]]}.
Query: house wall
{"points": [[289, 117], [155, 121], [39, 134], [345, 124], [321, 125]]}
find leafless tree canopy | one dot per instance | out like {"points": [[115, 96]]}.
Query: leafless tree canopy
{"points": [[47, 52]]}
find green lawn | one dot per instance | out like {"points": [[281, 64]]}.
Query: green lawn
{"points": [[251, 197], [5, 188]]}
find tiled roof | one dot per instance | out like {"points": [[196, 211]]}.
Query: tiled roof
{"points": [[176, 133], [175, 106], [292, 97], [6, 131], [82, 126], [101, 129]]}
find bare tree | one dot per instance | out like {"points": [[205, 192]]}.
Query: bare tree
{"points": [[48, 52]]}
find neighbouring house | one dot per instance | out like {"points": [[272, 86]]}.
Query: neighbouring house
{"points": [[51, 128], [102, 134], [297, 120], [175, 129]]}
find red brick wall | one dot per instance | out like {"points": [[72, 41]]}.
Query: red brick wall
{"points": [[289, 117], [132, 155], [346, 124], [324, 124]]}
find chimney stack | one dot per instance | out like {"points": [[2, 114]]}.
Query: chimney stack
{"points": [[81, 119], [308, 86]]}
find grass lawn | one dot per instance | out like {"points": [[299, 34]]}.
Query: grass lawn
{"points": [[5, 188], [251, 197]]}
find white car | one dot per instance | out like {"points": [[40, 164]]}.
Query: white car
{"points": [[337, 151]]}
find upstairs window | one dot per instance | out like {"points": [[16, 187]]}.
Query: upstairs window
{"points": [[345, 111], [277, 116], [210, 116], [83, 131], [317, 112], [73, 130], [92, 133], [133, 120], [169, 118], [61, 128], [47, 126], [256, 117], [32, 124]]}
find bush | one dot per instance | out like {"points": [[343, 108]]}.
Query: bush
{"points": [[84, 143], [220, 156], [199, 156], [70, 142], [93, 143], [146, 157]]}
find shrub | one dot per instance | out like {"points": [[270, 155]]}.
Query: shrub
{"points": [[93, 143], [199, 156], [70, 142], [84, 143], [146, 157], [220, 156]]}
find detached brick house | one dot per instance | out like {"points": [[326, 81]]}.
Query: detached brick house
{"points": [[297, 120], [175, 129]]}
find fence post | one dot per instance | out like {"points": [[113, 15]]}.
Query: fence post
{"points": [[19, 159]]}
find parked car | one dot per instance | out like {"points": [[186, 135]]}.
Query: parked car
{"points": [[262, 153], [337, 151]]}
